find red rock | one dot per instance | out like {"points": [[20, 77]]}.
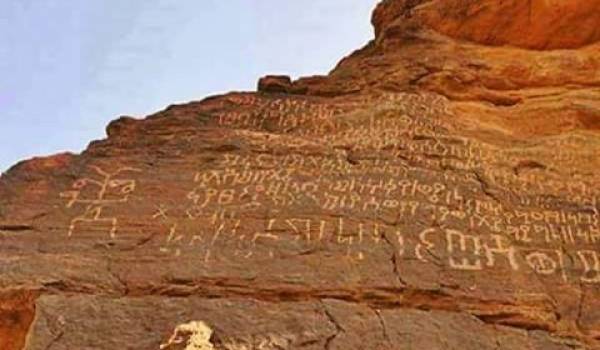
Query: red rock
{"points": [[16, 315], [275, 83], [534, 24], [437, 190]]}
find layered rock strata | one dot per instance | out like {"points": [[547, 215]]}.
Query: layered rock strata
{"points": [[437, 190]]}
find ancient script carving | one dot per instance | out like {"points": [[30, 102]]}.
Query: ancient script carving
{"points": [[96, 194]]}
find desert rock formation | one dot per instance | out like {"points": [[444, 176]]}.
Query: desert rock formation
{"points": [[439, 189]]}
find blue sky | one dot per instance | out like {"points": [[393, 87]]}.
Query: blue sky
{"points": [[68, 67]]}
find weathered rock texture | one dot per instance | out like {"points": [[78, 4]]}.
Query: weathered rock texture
{"points": [[438, 190]]}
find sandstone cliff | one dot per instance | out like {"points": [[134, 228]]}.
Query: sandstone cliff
{"points": [[439, 189]]}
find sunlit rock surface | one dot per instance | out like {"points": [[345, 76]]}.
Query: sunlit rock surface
{"points": [[439, 189]]}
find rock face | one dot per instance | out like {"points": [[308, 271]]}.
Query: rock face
{"points": [[531, 24], [439, 189]]}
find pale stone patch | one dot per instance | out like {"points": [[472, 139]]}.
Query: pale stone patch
{"points": [[199, 336]]}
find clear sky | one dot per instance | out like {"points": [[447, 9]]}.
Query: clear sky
{"points": [[68, 67]]}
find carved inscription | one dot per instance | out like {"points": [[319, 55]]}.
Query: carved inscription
{"points": [[96, 194], [330, 177]]}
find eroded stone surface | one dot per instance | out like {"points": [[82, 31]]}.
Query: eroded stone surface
{"points": [[429, 193], [532, 24], [142, 322]]}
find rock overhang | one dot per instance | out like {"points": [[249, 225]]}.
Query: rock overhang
{"points": [[532, 24]]}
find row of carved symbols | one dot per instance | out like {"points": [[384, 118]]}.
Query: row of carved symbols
{"points": [[105, 190], [461, 251]]}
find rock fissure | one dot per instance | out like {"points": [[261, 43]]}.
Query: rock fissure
{"points": [[17, 228], [384, 330], [394, 260], [338, 328]]}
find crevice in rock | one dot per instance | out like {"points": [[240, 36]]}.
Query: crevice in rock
{"points": [[486, 188], [528, 165], [515, 320], [62, 286], [383, 326], [394, 260], [427, 71], [17, 228], [494, 97], [122, 282], [54, 340], [140, 243], [339, 329]]}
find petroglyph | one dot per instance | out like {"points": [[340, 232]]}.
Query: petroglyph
{"points": [[394, 174], [95, 195]]}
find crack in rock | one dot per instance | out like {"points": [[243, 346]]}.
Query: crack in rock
{"points": [[339, 329]]}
